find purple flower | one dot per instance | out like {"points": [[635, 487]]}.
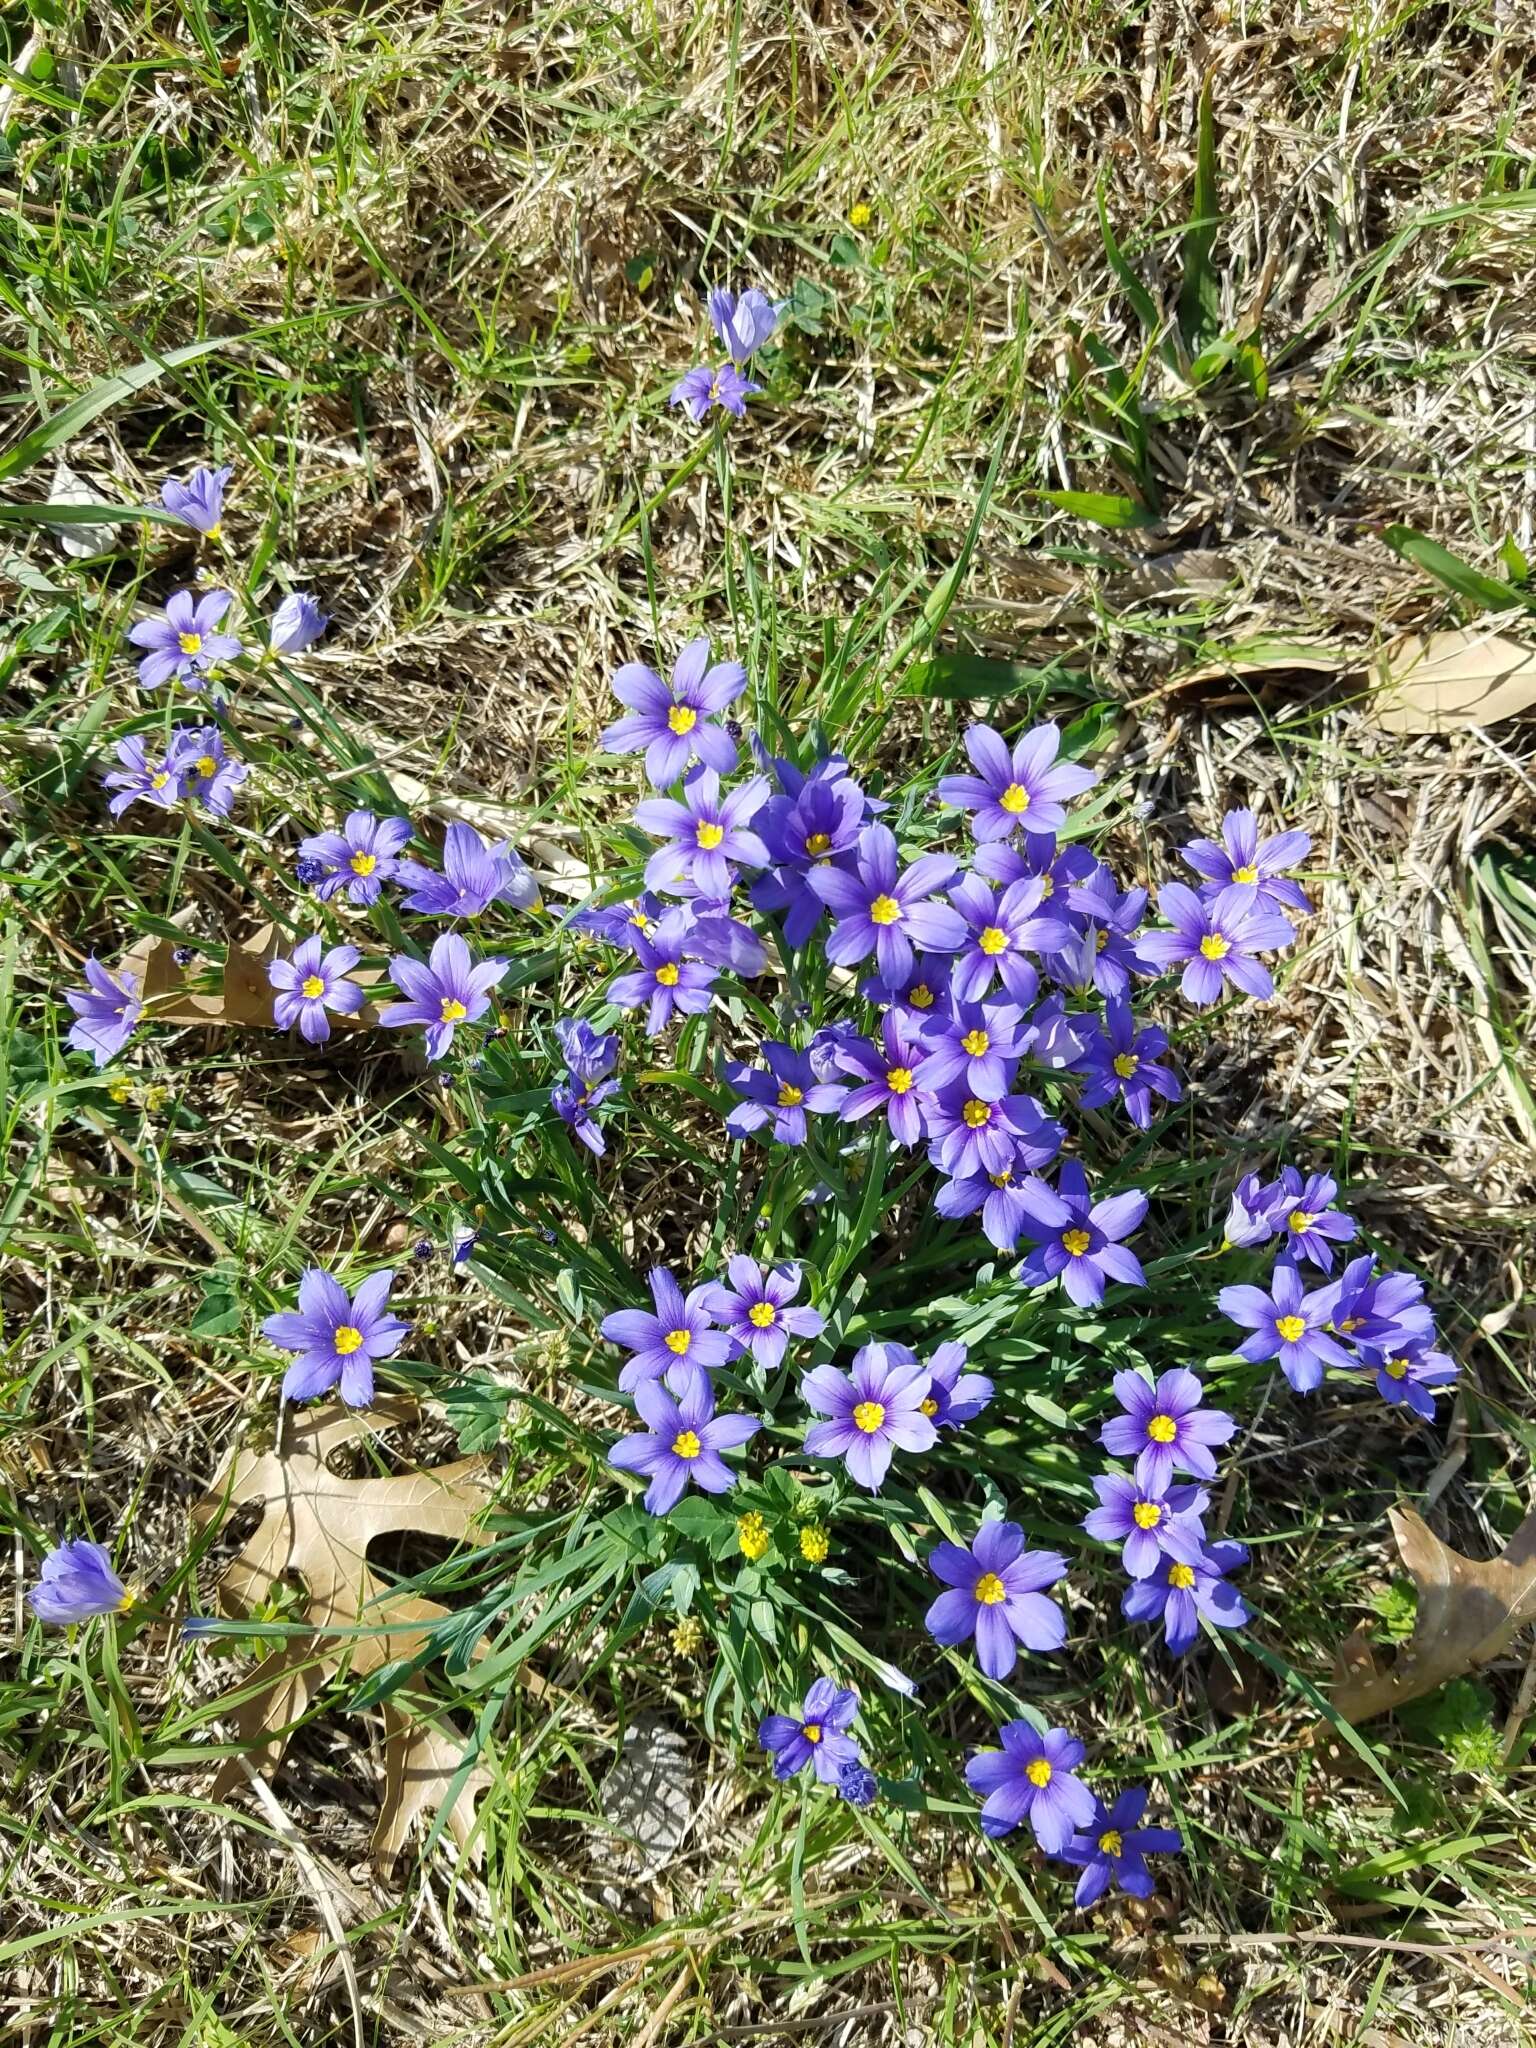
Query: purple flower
{"points": [[955, 1396], [1000, 930], [858, 1784], [881, 911], [1104, 952], [1165, 1429], [1003, 1198], [1025, 789], [681, 1443], [974, 1045], [818, 1736], [664, 980], [705, 833], [1148, 1526], [723, 385], [996, 1593], [1243, 858], [447, 990], [828, 1045], [1215, 942], [1179, 1591], [1003, 861], [1057, 1036], [336, 1337], [1383, 1310], [675, 723], [783, 1094], [1288, 1324], [297, 623], [818, 825], [359, 858], [617, 923], [892, 1080], [680, 1339], [1120, 1060], [720, 940], [1253, 1214], [589, 1055], [185, 643], [1114, 1847], [920, 995], [107, 1012], [755, 1310], [1307, 1219], [77, 1582], [1080, 1239], [211, 773], [474, 876], [1031, 1778], [309, 983], [875, 1408], [970, 1136], [159, 781], [1407, 1374], [743, 324], [199, 502], [590, 1058]]}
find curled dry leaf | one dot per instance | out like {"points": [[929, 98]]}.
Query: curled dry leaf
{"points": [[244, 995], [317, 1528], [1469, 1611], [1449, 680]]}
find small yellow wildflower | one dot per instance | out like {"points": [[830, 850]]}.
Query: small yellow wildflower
{"points": [[120, 1088], [814, 1543], [860, 214], [753, 1536], [688, 1636]]}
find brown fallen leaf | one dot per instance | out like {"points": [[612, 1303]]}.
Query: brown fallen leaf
{"points": [[1448, 680], [244, 994], [317, 1528], [1469, 1611]]}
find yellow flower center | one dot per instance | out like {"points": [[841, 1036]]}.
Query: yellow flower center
{"points": [[1038, 1773], [682, 718], [990, 1590], [993, 940], [1349, 1325], [710, 836], [817, 844], [1047, 888], [639, 920], [1214, 946], [1291, 1328], [348, 1338], [206, 765], [761, 1314], [1110, 1843], [1003, 1179], [920, 997], [1300, 1220], [814, 1544], [686, 1444], [1396, 1368], [1181, 1576], [159, 781], [666, 974], [1125, 1064], [898, 1079], [677, 1342], [1162, 1429], [976, 1043], [812, 1731], [1245, 874], [868, 1416], [1076, 1242], [885, 910], [190, 643], [363, 863], [930, 1407], [1146, 1514], [453, 1011], [312, 986], [1100, 941], [790, 1097], [1014, 800]]}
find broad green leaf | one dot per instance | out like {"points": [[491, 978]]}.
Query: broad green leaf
{"points": [[1102, 508]]}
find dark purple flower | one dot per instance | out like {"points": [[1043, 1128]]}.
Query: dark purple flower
{"points": [[1147, 1526], [1104, 951], [1384, 1310], [186, 642], [709, 385], [1120, 1060], [818, 825], [1288, 1324], [680, 1339], [974, 1045], [617, 923], [969, 1136], [828, 1045], [675, 723], [474, 876], [1031, 1778], [211, 773], [1114, 1847], [199, 502], [1308, 1221], [310, 982], [1253, 1216], [1038, 859], [1406, 1374], [158, 780], [745, 323], [1241, 857], [1180, 1591], [919, 995], [818, 1735], [1003, 1198], [873, 1409], [447, 990], [706, 833], [359, 858], [589, 1055], [783, 1093], [955, 1396], [681, 1443], [336, 1338], [1165, 1429], [891, 1073], [1215, 942], [664, 980], [1026, 789], [721, 940], [996, 1593], [107, 1012], [576, 1100], [756, 1310], [857, 1783], [76, 1583], [1000, 930], [1080, 1238], [297, 623], [880, 909]]}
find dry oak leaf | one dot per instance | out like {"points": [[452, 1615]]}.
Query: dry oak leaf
{"points": [[317, 1528], [1469, 677], [1469, 1611], [244, 995]]}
